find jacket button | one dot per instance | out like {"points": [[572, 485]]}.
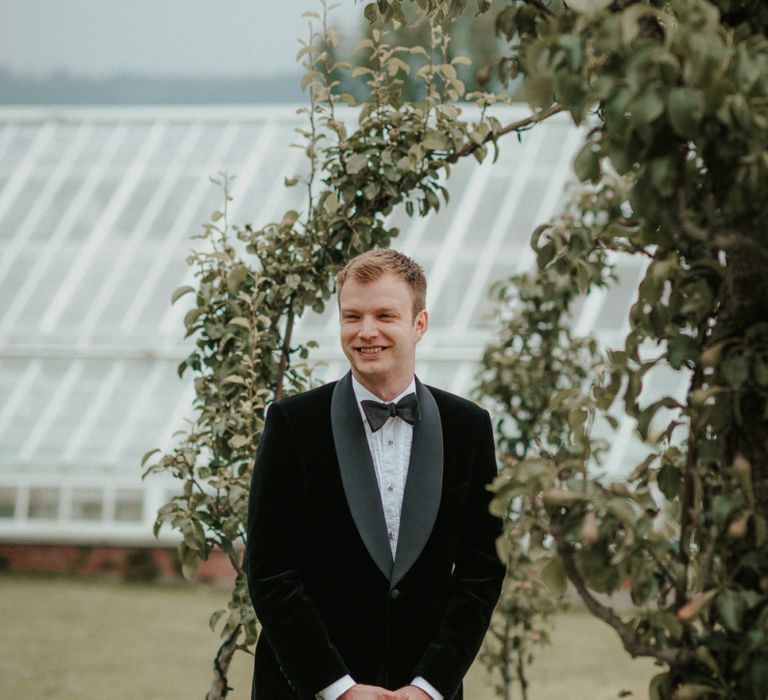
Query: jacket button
{"points": [[394, 594]]}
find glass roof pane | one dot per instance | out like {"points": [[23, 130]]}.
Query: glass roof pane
{"points": [[28, 411], [65, 421], [614, 311], [129, 189], [443, 307], [18, 148]]}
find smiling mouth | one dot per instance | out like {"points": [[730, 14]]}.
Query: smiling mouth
{"points": [[374, 350]]}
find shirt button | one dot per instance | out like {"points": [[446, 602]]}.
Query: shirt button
{"points": [[391, 442], [391, 535], [394, 594], [390, 487]]}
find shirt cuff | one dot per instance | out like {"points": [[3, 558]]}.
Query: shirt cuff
{"points": [[419, 682], [334, 690]]}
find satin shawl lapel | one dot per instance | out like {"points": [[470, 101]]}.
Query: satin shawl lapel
{"points": [[423, 485], [357, 474]]}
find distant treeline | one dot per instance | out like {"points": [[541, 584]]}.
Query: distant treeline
{"points": [[67, 88]]}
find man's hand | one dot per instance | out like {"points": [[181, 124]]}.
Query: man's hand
{"points": [[370, 692], [411, 692]]}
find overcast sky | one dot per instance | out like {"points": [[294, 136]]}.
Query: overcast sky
{"points": [[158, 37]]}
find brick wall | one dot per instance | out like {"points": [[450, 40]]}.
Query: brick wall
{"points": [[119, 562]]}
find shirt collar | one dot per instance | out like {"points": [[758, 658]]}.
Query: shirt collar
{"points": [[363, 394]]}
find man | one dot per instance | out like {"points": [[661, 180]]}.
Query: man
{"points": [[371, 552]]}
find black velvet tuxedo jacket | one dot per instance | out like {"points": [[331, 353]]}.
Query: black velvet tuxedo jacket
{"points": [[330, 597]]}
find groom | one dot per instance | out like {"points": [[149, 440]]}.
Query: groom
{"points": [[371, 559]]}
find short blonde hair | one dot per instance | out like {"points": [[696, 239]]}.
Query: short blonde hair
{"points": [[372, 264]]}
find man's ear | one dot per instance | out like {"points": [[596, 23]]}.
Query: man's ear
{"points": [[421, 323]]}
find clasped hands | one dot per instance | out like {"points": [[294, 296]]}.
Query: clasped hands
{"points": [[373, 692]]}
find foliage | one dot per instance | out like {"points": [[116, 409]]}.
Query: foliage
{"points": [[679, 91], [472, 40], [245, 304], [535, 357], [676, 95]]}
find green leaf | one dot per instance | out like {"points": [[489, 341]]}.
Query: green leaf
{"points": [[395, 64], [659, 687], [361, 70], [236, 277], [623, 510], [180, 292], [563, 497], [330, 204], [371, 12], [293, 280], [731, 608], [671, 624], [241, 321], [534, 469], [372, 189], [435, 140], [685, 109], [309, 76], [356, 162], [735, 369], [646, 108], [233, 379], [147, 455], [215, 617], [362, 44], [553, 576], [238, 441], [682, 350], [190, 561], [189, 567], [586, 165], [539, 92], [669, 480]]}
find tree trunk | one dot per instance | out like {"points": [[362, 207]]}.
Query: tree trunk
{"points": [[220, 687], [747, 305]]}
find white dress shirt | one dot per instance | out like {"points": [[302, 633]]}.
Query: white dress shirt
{"points": [[390, 448]]}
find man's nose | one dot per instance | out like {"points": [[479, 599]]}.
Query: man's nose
{"points": [[368, 328]]}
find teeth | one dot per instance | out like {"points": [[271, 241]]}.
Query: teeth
{"points": [[369, 350]]}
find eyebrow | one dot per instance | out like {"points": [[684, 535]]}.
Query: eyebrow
{"points": [[382, 309]]}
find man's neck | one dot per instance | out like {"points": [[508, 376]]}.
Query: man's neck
{"points": [[389, 390]]}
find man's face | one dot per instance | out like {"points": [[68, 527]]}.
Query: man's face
{"points": [[379, 332]]}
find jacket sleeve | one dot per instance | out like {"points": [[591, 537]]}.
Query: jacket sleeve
{"points": [[476, 579], [276, 542]]}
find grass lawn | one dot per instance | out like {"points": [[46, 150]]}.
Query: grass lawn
{"points": [[67, 639]]}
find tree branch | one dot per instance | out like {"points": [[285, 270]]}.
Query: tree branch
{"points": [[285, 352], [632, 644], [687, 500], [372, 206], [470, 148], [220, 688], [664, 569]]}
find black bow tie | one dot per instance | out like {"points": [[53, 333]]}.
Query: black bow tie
{"points": [[378, 413]]}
